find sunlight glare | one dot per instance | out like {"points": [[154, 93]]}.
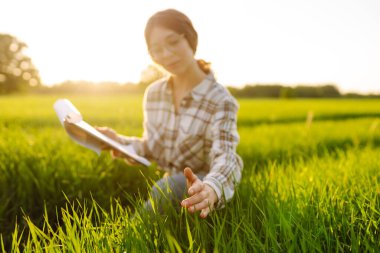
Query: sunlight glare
{"points": [[248, 42]]}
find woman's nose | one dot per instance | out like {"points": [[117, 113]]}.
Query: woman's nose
{"points": [[166, 52]]}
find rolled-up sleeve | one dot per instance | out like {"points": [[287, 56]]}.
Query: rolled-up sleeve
{"points": [[141, 145], [225, 164]]}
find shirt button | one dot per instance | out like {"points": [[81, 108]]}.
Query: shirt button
{"points": [[186, 103]]}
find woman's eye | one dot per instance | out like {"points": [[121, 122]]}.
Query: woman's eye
{"points": [[173, 42]]}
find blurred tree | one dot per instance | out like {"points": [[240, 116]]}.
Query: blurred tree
{"points": [[330, 91], [149, 75], [17, 73], [317, 91], [287, 92], [279, 91]]}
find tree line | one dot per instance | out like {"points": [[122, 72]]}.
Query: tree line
{"points": [[299, 91], [18, 74], [249, 91], [279, 91]]}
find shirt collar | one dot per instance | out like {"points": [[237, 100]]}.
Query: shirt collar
{"points": [[203, 87], [168, 87], [198, 91]]}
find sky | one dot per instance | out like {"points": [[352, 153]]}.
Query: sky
{"points": [[286, 42]]}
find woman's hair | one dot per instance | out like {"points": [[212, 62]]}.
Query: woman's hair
{"points": [[179, 23], [175, 21]]}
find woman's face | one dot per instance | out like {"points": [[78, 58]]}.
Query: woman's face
{"points": [[170, 50]]}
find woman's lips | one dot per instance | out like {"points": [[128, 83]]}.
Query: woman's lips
{"points": [[172, 65]]}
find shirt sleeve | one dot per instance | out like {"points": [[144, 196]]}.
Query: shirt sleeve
{"points": [[141, 145], [225, 164]]}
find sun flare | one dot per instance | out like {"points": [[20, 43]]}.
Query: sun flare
{"points": [[292, 42]]}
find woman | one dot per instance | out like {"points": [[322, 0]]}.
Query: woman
{"points": [[189, 121]]}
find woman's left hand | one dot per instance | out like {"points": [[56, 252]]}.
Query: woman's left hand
{"points": [[202, 196]]}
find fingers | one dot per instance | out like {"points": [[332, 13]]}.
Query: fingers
{"points": [[197, 206], [116, 153], [196, 187], [101, 129], [202, 197], [195, 199], [189, 174], [105, 146], [205, 212], [203, 206], [190, 177], [128, 160], [109, 132], [199, 202]]}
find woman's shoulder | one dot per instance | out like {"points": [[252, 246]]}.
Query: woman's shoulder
{"points": [[156, 88], [220, 95], [158, 85]]}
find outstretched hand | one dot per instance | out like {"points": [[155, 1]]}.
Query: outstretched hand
{"points": [[202, 196]]}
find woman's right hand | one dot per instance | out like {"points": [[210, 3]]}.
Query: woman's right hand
{"points": [[110, 133]]}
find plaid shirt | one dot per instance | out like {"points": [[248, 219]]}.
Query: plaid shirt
{"points": [[202, 135]]}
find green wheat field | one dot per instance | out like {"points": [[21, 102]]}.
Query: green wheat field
{"points": [[311, 182]]}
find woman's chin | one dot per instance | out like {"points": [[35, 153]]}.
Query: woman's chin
{"points": [[175, 71]]}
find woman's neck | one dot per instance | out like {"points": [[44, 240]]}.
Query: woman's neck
{"points": [[189, 79], [184, 83]]}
